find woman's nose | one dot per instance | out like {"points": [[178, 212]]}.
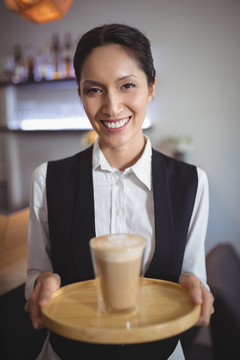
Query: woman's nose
{"points": [[112, 104]]}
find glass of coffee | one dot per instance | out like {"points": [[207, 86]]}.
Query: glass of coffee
{"points": [[117, 262]]}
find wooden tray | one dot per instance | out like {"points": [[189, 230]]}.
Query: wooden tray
{"points": [[164, 310]]}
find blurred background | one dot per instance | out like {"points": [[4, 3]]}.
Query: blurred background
{"points": [[195, 113], [197, 58]]}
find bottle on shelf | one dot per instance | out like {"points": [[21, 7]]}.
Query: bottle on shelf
{"points": [[18, 73], [53, 61], [67, 53], [56, 49], [29, 63]]}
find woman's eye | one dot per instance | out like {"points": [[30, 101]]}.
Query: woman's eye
{"points": [[128, 86], [93, 91]]}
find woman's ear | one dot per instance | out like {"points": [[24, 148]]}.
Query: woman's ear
{"points": [[152, 90]]}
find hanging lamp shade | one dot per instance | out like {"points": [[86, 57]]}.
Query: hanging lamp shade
{"points": [[40, 11]]}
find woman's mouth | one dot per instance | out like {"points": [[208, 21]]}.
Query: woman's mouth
{"points": [[116, 125]]}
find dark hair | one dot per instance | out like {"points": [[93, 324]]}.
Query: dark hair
{"points": [[131, 39]]}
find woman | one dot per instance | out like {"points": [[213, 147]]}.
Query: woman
{"points": [[119, 185]]}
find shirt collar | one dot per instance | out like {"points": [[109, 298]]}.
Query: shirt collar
{"points": [[142, 168], [99, 160]]}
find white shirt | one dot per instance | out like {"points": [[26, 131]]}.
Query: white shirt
{"points": [[123, 202]]}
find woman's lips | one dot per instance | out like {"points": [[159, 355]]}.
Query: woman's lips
{"points": [[116, 125]]}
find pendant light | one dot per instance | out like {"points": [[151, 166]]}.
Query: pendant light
{"points": [[39, 11]]}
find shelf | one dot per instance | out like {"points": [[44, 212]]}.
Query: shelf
{"points": [[27, 83]]}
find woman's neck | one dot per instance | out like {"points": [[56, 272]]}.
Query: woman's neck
{"points": [[122, 157]]}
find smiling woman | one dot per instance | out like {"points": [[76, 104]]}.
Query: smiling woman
{"points": [[116, 79], [118, 185], [115, 93]]}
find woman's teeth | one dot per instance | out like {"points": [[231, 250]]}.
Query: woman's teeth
{"points": [[117, 124]]}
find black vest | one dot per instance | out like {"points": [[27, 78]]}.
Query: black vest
{"points": [[71, 226]]}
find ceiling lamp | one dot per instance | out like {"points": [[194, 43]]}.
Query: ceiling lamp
{"points": [[39, 11]]}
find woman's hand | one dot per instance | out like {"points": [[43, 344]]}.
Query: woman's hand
{"points": [[46, 284], [200, 295]]}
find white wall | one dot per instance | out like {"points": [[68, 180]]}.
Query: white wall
{"points": [[197, 57]]}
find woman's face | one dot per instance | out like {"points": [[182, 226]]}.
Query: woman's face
{"points": [[115, 94]]}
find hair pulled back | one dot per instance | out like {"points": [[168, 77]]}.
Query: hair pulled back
{"points": [[133, 41]]}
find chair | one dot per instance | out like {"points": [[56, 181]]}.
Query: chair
{"points": [[223, 273]]}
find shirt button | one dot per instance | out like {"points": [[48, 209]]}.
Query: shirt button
{"points": [[118, 212], [118, 183]]}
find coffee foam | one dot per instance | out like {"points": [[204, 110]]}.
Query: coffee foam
{"points": [[118, 247]]}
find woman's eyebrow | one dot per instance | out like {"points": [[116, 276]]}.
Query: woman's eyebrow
{"points": [[95, 82], [126, 77]]}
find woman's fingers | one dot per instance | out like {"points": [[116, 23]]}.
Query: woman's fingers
{"points": [[200, 295], [207, 307], [46, 284], [33, 308]]}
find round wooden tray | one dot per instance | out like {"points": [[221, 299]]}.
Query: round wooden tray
{"points": [[164, 309]]}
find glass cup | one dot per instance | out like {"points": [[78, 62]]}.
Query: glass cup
{"points": [[117, 262]]}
